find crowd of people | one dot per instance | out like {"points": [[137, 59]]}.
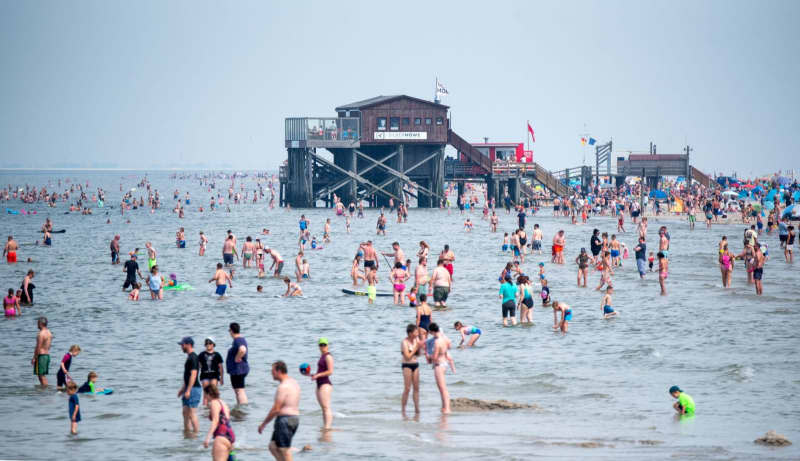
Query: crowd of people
{"points": [[205, 372]]}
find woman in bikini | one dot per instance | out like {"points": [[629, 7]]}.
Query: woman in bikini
{"points": [[220, 430], [410, 349]]}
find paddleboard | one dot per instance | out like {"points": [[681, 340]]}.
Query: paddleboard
{"points": [[61, 231], [348, 291], [105, 391]]}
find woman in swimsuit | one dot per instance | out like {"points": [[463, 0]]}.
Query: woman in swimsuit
{"points": [[410, 349], [398, 278], [726, 266], [424, 312], [324, 385], [663, 269], [525, 299], [220, 430], [154, 282], [11, 304], [355, 273], [423, 250]]}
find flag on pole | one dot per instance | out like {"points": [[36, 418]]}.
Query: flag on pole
{"points": [[440, 89], [583, 141], [530, 129], [592, 141]]}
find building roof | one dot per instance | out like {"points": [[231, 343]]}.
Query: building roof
{"points": [[495, 144], [382, 99], [641, 157]]}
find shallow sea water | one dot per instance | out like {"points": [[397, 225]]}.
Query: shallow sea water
{"points": [[601, 389]]}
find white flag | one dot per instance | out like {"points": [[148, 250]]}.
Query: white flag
{"points": [[440, 89]]}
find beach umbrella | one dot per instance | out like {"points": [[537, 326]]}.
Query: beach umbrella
{"points": [[756, 206], [730, 192], [796, 196], [743, 194], [783, 180], [747, 186], [758, 189], [658, 194], [769, 205], [792, 211]]}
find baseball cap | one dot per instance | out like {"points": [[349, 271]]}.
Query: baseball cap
{"points": [[211, 340], [675, 389], [186, 340], [322, 341]]}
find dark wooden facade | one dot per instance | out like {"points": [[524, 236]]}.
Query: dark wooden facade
{"points": [[387, 119]]}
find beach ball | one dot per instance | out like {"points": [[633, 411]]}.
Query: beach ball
{"points": [[305, 369]]}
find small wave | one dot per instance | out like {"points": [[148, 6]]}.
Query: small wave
{"points": [[595, 395]]}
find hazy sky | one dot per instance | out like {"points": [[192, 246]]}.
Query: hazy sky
{"points": [[148, 84]]}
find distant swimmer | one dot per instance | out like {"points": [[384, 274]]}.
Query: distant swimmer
{"points": [[605, 304], [685, 403], [473, 333]]}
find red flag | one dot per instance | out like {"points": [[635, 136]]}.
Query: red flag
{"points": [[530, 128]]}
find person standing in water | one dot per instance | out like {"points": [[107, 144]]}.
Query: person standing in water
{"points": [[324, 385], [605, 304], [236, 363], [220, 416], [441, 346], [41, 353], [440, 284], [10, 250], [222, 279], [409, 348], [114, 246], [190, 392], [284, 411]]}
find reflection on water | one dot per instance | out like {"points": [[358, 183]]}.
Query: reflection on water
{"points": [[602, 388]]}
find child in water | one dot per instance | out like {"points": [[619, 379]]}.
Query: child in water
{"points": [[505, 242], [650, 260], [292, 289], [608, 311], [412, 297], [473, 333], [90, 385], [134, 294], [545, 293], [63, 375], [73, 407], [305, 269]]}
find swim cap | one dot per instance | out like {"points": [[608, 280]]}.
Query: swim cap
{"points": [[675, 389], [541, 264]]}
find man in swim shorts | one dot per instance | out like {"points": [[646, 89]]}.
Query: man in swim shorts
{"points": [[222, 279], [151, 255], [440, 284], [10, 250], [228, 249], [284, 411], [191, 392], [277, 261], [115, 250], [41, 353]]}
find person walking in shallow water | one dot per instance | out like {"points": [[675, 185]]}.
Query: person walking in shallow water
{"points": [[409, 348], [324, 385]]}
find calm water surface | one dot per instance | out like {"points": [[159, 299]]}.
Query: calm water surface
{"points": [[601, 390]]}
